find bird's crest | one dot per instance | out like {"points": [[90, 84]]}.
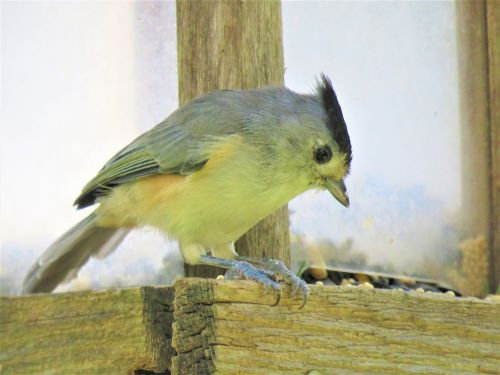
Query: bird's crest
{"points": [[334, 118]]}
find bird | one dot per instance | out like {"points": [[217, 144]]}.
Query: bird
{"points": [[205, 175]]}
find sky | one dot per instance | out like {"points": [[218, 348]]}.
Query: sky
{"points": [[79, 80]]}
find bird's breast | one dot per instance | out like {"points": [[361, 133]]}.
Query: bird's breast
{"points": [[217, 204]]}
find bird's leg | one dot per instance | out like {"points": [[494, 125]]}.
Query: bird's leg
{"points": [[246, 270], [278, 268]]}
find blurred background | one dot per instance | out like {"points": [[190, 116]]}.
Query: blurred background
{"points": [[79, 80]]}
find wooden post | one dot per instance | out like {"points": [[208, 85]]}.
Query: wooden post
{"points": [[231, 44], [493, 26], [478, 47]]}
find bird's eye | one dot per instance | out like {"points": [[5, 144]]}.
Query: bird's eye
{"points": [[323, 154]]}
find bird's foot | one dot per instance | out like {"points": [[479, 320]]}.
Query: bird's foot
{"points": [[278, 268], [238, 269]]}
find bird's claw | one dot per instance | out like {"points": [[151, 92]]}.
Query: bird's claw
{"points": [[266, 272], [296, 283], [264, 277], [277, 267]]}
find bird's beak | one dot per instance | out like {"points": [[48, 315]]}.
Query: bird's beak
{"points": [[338, 190]]}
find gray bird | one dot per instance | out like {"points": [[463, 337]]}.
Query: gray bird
{"points": [[207, 174]]}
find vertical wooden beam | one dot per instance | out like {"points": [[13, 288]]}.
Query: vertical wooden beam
{"points": [[228, 44], [477, 24], [493, 29]]}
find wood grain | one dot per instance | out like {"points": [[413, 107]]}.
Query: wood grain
{"points": [[477, 129], [228, 44], [229, 327], [108, 332], [493, 27]]}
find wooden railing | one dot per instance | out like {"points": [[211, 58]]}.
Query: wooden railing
{"points": [[202, 326]]}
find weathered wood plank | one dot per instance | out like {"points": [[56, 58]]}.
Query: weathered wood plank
{"points": [[108, 332], [229, 327]]}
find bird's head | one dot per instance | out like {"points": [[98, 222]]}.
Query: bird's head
{"points": [[316, 143]]}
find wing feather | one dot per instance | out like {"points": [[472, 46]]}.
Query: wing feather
{"points": [[133, 162], [171, 147]]}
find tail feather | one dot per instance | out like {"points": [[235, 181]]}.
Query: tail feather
{"points": [[63, 259]]}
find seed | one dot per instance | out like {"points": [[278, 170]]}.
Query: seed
{"points": [[367, 285]]}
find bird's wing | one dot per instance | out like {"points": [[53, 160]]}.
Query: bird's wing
{"points": [[175, 146]]}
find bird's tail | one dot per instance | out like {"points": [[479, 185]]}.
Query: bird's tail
{"points": [[64, 258]]}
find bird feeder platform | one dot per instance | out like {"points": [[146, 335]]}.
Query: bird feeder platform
{"points": [[202, 326]]}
